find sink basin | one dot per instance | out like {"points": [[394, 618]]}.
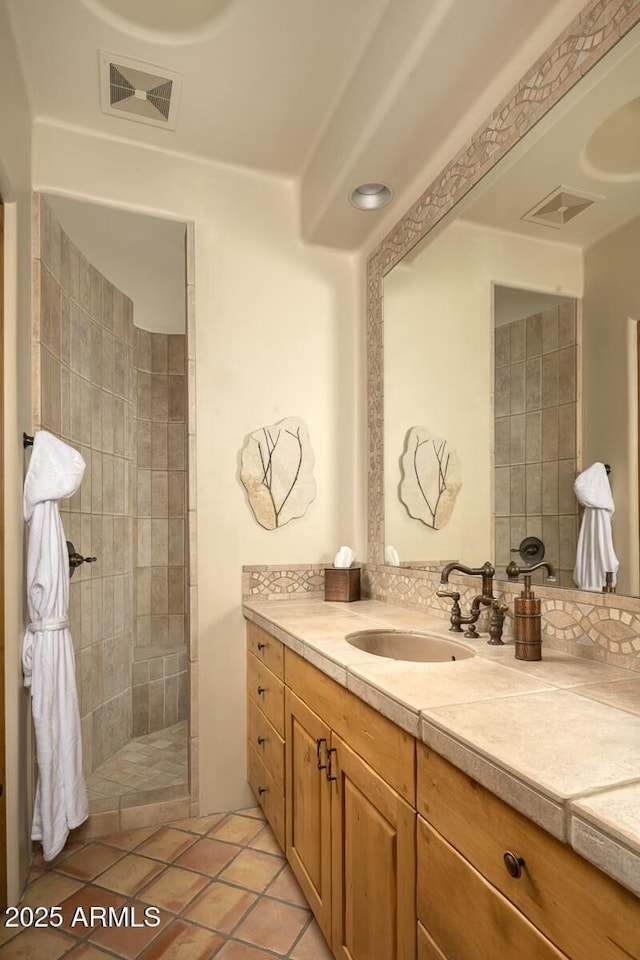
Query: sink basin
{"points": [[403, 645]]}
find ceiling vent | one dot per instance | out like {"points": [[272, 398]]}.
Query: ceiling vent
{"points": [[139, 91], [561, 206]]}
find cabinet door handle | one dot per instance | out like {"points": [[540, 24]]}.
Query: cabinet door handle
{"points": [[260, 691], [319, 742], [261, 790], [262, 646], [329, 774], [514, 864], [261, 741]]}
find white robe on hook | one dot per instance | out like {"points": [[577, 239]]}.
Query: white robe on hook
{"points": [[55, 471], [595, 556]]}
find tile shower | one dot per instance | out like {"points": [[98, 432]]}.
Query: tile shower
{"points": [[536, 437], [118, 394]]}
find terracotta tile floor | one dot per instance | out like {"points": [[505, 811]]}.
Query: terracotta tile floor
{"points": [[220, 885], [155, 764]]}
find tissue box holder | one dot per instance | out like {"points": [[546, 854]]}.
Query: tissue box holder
{"points": [[342, 583]]}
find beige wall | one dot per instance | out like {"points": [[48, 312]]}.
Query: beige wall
{"points": [[441, 306], [15, 159], [610, 310], [278, 333]]}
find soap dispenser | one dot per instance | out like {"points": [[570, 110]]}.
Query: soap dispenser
{"points": [[527, 609], [527, 623]]}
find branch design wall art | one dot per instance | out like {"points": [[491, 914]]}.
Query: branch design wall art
{"points": [[431, 478], [277, 472]]}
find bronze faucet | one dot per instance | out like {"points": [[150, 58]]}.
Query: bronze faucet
{"points": [[484, 599], [513, 571]]}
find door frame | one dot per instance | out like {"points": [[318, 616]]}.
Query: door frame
{"points": [[3, 801]]}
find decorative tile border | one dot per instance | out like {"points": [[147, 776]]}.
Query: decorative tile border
{"points": [[605, 628], [283, 581], [585, 41]]}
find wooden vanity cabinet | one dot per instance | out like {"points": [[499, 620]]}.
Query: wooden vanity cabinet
{"points": [[558, 906], [265, 725], [350, 833], [308, 806]]}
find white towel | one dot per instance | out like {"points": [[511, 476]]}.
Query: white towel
{"points": [[55, 471], [595, 556]]}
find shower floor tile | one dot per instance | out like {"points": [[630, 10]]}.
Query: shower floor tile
{"points": [[143, 770]]}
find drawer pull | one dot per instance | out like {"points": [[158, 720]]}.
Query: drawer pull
{"points": [[319, 742], [262, 646], [260, 691], [329, 773], [261, 790], [513, 864], [261, 741]]}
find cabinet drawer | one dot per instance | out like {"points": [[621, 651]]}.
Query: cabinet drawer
{"points": [[267, 794], [578, 907], [267, 743], [427, 949], [389, 750], [466, 917], [266, 691], [266, 648]]}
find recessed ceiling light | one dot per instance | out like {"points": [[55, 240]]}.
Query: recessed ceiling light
{"points": [[371, 196]]}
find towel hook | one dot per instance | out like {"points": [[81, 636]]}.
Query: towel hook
{"points": [[76, 559], [27, 441]]}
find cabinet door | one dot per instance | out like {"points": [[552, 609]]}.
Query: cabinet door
{"points": [[308, 801], [373, 863]]}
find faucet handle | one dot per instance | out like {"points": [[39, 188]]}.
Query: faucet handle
{"points": [[448, 594]]}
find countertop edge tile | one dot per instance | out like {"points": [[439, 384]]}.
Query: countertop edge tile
{"points": [[606, 853], [403, 716], [326, 664], [544, 811]]}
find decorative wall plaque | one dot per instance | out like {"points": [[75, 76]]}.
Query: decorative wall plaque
{"points": [[277, 472], [431, 478]]}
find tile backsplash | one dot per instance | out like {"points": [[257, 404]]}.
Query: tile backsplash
{"points": [[597, 626]]}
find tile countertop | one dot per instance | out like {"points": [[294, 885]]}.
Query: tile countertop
{"points": [[558, 739]]}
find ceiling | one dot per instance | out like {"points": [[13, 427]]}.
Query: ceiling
{"points": [[589, 144], [330, 93]]}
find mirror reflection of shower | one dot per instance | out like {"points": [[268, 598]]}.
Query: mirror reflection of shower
{"points": [[535, 426]]}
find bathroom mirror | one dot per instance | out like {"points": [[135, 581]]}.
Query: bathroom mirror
{"points": [[511, 315]]}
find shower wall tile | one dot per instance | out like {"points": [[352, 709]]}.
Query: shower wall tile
{"points": [[550, 380], [159, 397], [550, 433], [159, 353], [550, 330], [567, 375], [159, 458], [159, 493], [83, 367], [176, 357], [502, 391], [143, 350], [177, 398], [118, 395], [176, 494], [176, 446], [541, 498], [143, 446], [517, 341], [533, 384]]}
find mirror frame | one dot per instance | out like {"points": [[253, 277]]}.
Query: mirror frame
{"points": [[596, 29]]}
